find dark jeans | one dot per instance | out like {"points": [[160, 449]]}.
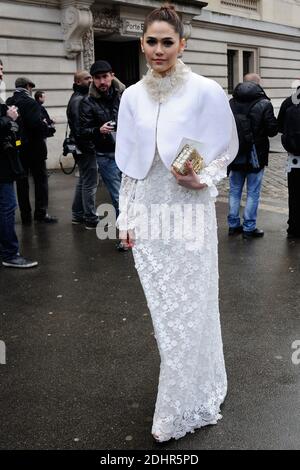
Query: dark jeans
{"points": [[294, 201], [9, 245], [84, 202], [111, 177], [37, 167]]}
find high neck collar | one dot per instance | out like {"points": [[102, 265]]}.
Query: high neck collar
{"points": [[24, 91], [82, 89], [162, 87]]}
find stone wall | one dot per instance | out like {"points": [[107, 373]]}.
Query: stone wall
{"points": [[285, 12], [278, 50]]}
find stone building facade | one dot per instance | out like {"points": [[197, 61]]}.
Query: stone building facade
{"points": [[49, 40]]}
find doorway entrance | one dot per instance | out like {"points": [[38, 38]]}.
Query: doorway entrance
{"points": [[123, 57]]}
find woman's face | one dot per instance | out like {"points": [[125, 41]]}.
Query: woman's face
{"points": [[161, 45]]}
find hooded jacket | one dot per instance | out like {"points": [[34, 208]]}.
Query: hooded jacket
{"points": [[73, 110], [95, 110], [263, 120], [290, 131], [286, 104]]}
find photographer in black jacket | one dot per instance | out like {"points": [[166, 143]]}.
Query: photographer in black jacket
{"points": [[98, 120], [33, 152], [10, 170]]}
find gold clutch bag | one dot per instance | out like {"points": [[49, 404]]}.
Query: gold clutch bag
{"points": [[188, 153]]}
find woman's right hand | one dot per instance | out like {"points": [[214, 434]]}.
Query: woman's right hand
{"points": [[127, 238]]}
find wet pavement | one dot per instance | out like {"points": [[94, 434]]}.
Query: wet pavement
{"points": [[82, 363]]}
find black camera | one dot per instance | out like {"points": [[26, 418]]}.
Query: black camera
{"points": [[68, 146], [9, 140], [112, 124]]}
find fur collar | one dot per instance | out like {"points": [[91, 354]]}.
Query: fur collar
{"points": [[161, 88]]}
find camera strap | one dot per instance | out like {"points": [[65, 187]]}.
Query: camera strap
{"points": [[63, 169], [66, 134]]}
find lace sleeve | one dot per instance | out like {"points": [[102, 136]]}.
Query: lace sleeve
{"points": [[217, 169], [126, 219]]}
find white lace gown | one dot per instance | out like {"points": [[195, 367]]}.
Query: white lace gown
{"points": [[180, 281]]}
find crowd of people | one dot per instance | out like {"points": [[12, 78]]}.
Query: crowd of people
{"points": [[130, 138], [92, 115]]}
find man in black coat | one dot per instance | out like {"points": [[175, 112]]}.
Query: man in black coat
{"points": [[289, 126], [98, 121], [33, 152], [251, 107], [10, 170], [84, 202]]}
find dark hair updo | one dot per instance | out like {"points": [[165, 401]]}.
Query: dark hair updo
{"points": [[168, 14]]}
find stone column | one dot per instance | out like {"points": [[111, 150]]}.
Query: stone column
{"points": [[77, 27], [187, 20], [88, 48]]}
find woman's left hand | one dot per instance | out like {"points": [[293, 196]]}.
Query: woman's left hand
{"points": [[190, 180]]}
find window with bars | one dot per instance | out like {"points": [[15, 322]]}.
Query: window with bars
{"points": [[240, 61], [247, 61], [251, 5], [231, 59]]}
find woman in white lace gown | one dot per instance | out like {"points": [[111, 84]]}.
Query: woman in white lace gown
{"points": [[179, 274]]}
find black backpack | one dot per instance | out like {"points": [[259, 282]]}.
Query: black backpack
{"points": [[291, 136], [241, 112]]}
